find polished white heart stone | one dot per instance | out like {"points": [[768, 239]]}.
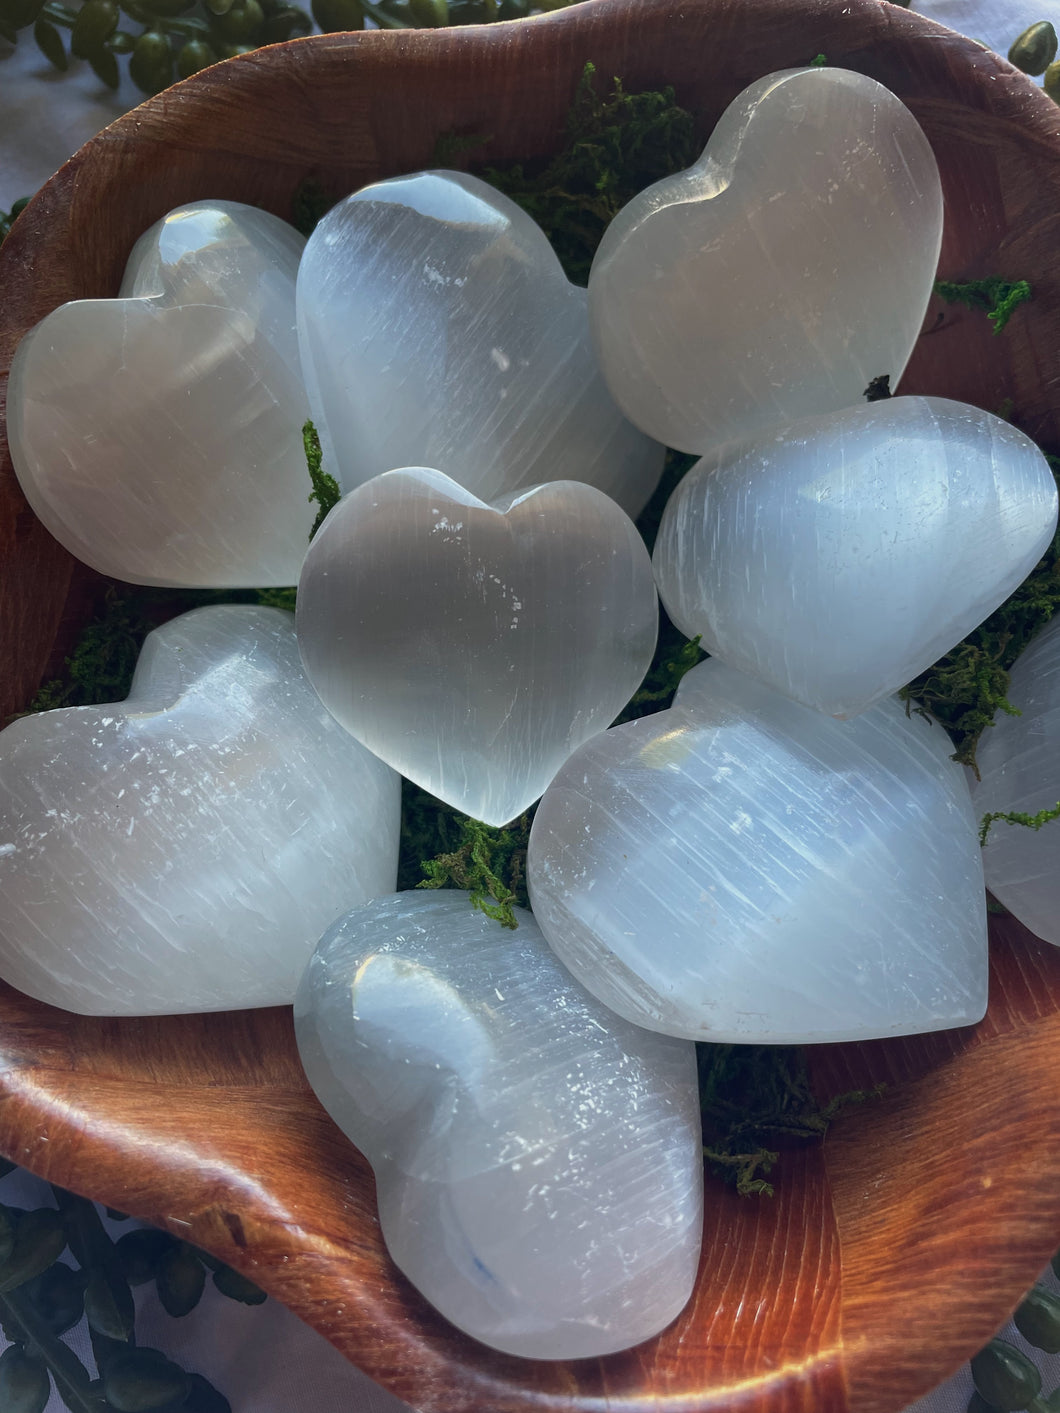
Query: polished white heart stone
{"points": [[438, 329], [183, 850], [779, 275], [743, 869], [158, 435], [1019, 765], [538, 1160], [838, 557], [471, 646]]}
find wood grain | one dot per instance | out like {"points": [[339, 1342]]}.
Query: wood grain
{"points": [[890, 1253]]}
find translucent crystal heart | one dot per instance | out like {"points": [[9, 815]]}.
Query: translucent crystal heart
{"points": [[840, 556], [474, 647], [158, 435], [779, 275], [741, 868], [438, 329], [183, 850], [538, 1160], [1019, 764]]}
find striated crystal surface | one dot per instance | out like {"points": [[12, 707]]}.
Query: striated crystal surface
{"points": [[838, 557], [183, 850], [1019, 765], [471, 646], [158, 435], [741, 868], [438, 329], [538, 1159], [779, 275]]}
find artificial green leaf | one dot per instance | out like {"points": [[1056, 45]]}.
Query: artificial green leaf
{"points": [[24, 1383], [50, 43], [237, 1287], [181, 1280], [40, 1239]]}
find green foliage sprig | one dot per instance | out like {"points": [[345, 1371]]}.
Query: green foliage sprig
{"points": [[1005, 1378], [616, 144], [1029, 821], [967, 687], [165, 40], [42, 1297], [325, 492], [490, 863], [998, 299], [755, 1100], [8, 218]]}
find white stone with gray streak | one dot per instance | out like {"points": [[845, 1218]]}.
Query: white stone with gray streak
{"points": [[538, 1160], [182, 850], [780, 274], [839, 557], [158, 435], [438, 329], [474, 646], [741, 868]]}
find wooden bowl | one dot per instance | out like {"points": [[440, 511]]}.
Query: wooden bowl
{"points": [[888, 1254]]}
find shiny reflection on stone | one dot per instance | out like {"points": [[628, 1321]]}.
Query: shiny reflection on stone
{"points": [[438, 329], [182, 850], [538, 1159], [779, 275], [1019, 764], [474, 647], [741, 868], [158, 435], [832, 558]]}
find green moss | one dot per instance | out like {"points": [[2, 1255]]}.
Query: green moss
{"points": [[1029, 821], [310, 204], [490, 863], [325, 490], [616, 144], [967, 687], [756, 1100], [101, 666], [995, 297]]}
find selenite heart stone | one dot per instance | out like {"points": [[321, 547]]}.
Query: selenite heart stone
{"points": [[474, 647], [779, 275], [743, 869], [840, 556], [158, 435], [538, 1159], [438, 329], [1019, 764], [183, 850]]}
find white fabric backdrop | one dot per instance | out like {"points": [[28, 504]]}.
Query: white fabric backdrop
{"points": [[263, 1358]]}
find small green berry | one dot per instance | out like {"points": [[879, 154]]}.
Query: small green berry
{"points": [[151, 63], [1035, 49], [1005, 1377], [194, 56], [96, 22]]}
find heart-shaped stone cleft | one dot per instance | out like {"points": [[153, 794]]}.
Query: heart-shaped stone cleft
{"points": [[1019, 765], [743, 869], [474, 647], [781, 274], [438, 329], [538, 1160], [183, 850], [158, 435], [839, 557]]}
